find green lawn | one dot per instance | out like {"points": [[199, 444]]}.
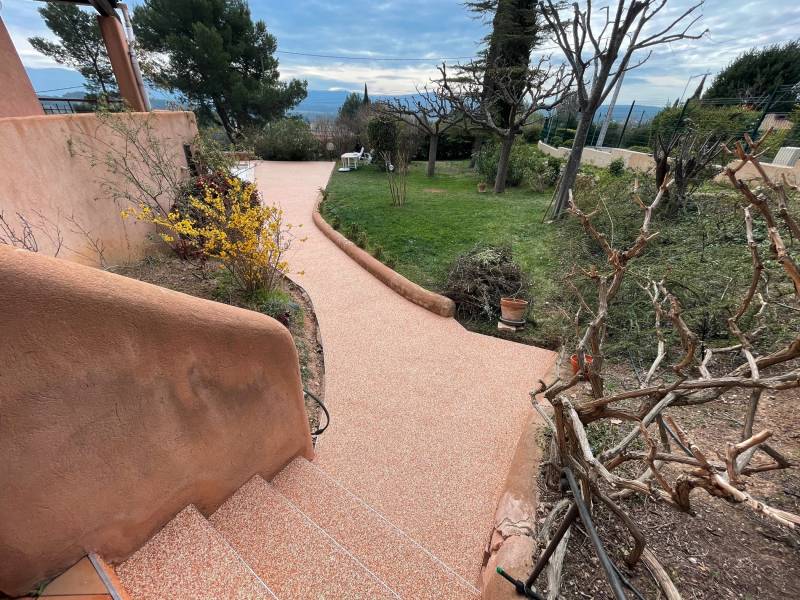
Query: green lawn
{"points": [[443, 217]]}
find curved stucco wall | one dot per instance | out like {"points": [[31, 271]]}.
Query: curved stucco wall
{"points": [[121, 403], [47, 175]]}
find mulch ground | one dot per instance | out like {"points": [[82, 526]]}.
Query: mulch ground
{"points": [[723, 550]]}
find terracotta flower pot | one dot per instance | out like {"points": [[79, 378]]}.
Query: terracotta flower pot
{"points": [[481, 187], [587, 360], [513, 309]]}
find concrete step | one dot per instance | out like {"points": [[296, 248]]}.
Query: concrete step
{"points": [[188, 559], [408, 568], [293, 555]]}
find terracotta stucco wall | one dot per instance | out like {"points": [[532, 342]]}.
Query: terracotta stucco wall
{"points": [[17, 98], [46, 173], [123, 402]]}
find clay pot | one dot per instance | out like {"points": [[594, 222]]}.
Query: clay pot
{"points": [[481, 187], [587, 360], [513, 309]]}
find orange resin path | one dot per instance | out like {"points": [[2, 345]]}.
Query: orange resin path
{"points": [[425, 414]]}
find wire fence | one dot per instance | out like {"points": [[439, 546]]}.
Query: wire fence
{"points": [[636, 129]]}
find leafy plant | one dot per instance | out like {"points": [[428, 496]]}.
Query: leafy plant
{"points": [[248, 238], [287, 139], [383, 135], [616, 167]]}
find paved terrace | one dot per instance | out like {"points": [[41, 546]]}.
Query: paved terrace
{"points": [[425, 414]]}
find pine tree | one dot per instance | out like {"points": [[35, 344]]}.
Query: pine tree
{"points": [[213, 53], [366, 95], [80, 45]]}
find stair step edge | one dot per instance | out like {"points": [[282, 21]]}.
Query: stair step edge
{"points": [[277, 483]]}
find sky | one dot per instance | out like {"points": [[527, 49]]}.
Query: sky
{"points": [[436, 29]]}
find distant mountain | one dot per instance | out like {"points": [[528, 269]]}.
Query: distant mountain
{"points": [[318, 103]]}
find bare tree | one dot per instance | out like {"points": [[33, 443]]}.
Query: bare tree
{"points": [[522, 92], [600, 48], [671, 464], [429, 112]]}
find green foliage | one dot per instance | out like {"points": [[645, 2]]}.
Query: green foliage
{"points": [[728, 120], [526, 165], [479, 278], [279, 305], [616, 167], [377, 251], [210, 156], [287, 139], [218, 58], [351, 106], [361, 239], [757, 72], [80, 45], [383, 134]]}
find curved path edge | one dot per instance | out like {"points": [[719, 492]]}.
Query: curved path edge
{"points": [[436, 303]]}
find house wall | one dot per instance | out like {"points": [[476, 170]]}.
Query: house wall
{"points": [[17, 98], [124, 402], [47, 175]]}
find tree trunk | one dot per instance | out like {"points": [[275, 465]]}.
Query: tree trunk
{"points": [[226, 123], [476, 148], [502, 163], [433, 144], [573, 164]]}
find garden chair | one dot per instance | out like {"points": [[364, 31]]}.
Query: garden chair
{"points": [[351, 160]]}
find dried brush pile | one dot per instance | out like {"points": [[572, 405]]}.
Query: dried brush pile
{"points": [[479, 278]]}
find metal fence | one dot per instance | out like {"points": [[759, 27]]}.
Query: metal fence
{"points": [[65, 106]]}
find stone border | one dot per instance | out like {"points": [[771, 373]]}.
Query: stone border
{"points": [[436, 303], [513, 536]]}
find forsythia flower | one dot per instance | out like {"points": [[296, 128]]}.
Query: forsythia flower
{"points": [[249, 238]]}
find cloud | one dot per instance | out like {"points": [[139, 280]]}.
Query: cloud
{"points": [[444, 28]]}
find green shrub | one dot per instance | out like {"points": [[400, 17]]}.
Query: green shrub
{"points": [[210, 156], [352, 230], [382, 132], [287, 139], [279, 305], [377, 251], [479, 278], [617, 167], [526, 165], [360, 239]]}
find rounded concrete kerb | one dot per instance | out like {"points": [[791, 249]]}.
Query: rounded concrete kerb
{"points": [[436, 303]]}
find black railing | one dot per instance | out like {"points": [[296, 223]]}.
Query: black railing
{"points": [[578, 509], [66, 106]]}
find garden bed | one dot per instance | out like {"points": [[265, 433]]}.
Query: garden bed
{"points": [[290, 305]]}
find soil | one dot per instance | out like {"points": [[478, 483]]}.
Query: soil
{"points": [[189, 278], [722, 551]]}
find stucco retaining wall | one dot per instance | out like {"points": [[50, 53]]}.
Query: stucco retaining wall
{"points": [[123, 402], [644, 163], [46, 176]]}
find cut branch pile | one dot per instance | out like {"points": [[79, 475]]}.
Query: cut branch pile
{"points": [[672, 464]]}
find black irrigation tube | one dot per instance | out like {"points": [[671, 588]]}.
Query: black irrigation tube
{"points": [[321, 404], [578, 509]]}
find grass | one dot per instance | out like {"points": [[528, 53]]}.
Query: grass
{"points": [[443, 217]]}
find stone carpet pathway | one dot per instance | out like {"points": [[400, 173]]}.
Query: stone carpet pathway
{"points": [[425, 414]]}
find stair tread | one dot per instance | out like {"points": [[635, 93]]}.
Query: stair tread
{"points": [[186, 560], [288, 551], [407, 567]]}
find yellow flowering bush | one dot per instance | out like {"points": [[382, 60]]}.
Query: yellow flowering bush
{"points": [[230, 224]]}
